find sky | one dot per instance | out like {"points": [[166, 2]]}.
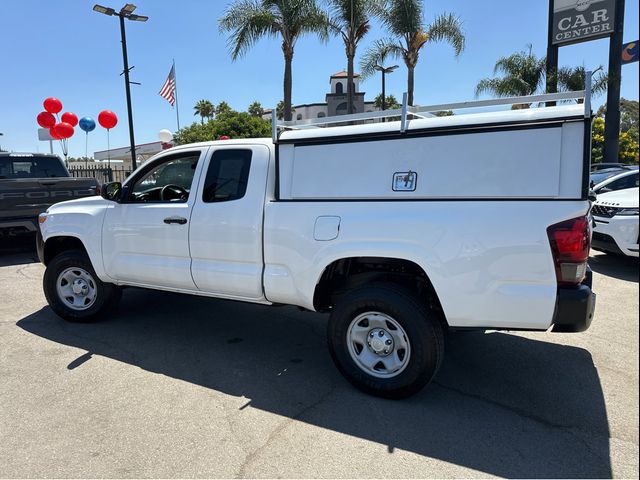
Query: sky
{"points": [[63, 49]]}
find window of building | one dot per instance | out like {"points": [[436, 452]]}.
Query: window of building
{"points": [[299, 116], [227, 176], [321, 114], [339, 88], [341, 109]]}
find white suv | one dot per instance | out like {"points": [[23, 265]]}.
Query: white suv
{"points": [[616, 222]]}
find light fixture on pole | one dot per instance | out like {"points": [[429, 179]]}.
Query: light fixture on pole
{"points": [[384, 71], [125, 12]]}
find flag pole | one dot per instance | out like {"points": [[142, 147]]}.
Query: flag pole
{"points": [[175, 76]]}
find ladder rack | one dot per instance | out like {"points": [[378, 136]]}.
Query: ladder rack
{"points": [[407, 112]]}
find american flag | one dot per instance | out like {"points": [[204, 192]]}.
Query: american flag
{"points": [[168, 90]]}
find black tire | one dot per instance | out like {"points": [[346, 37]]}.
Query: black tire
{"points": [[107, 294], [423, 330]]}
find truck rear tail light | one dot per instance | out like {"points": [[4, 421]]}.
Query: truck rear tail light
{"points": [[570, 242]]}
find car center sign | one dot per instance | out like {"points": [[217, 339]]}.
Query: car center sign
{"points": [[580, 20]]}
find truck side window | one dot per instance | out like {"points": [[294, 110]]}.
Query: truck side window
{"points": [[227, 176], [170, 181]]}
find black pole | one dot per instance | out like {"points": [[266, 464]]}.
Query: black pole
{"points": [[128, 91], [552, 58], [384, 103], [612, 117]]}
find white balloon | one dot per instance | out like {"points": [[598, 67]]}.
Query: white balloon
{"points": [[165, 135]]}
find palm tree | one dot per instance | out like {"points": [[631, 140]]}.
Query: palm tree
{"points": [[350, 20], [280, 110], [404, 20], [255, 109], [205, 109], [250, 20], [573, 79], [523, 74]]}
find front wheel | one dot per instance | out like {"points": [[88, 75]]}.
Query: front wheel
{"points": [[74, 291], [385, 341]]}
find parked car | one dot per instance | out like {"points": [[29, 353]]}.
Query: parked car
{"points": [[605, 165], [30, 183], [596, 178], [364, 222], [621, 181], [616, 222]]}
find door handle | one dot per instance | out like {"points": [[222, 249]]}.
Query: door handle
{"points": [[178, 220]]}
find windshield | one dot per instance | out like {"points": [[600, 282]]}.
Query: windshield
{"points": [[601, 176], [31, 167]]}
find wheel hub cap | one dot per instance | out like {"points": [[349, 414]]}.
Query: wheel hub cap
{"points": [[380, 341], [76, 288], [80, 287], [378, 344]]}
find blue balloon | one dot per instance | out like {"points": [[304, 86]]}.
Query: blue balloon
{"points": [[87, 124]]}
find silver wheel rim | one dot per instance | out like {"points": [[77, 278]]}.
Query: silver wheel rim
{"points": [[378, 345], [76, 288]]}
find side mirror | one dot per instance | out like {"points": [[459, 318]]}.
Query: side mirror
{"points": [[111, 191]]}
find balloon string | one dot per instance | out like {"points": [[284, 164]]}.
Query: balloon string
{"points": [[86, 149], [108, 150]]}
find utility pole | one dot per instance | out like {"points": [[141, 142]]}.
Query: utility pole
{"points": [[612, 117]]}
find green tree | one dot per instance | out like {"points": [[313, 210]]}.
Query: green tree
{"points": [[250, 20], [223, 108], [204, 108], [255, 109], [628, 116], [572, 79], [444, 113], [404, 21], [628, 149], [390, 102], [231, 123], [522, 75], [349, 19], [280, 110]]}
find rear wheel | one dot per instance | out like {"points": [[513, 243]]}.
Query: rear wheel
{"points": [[385, 341], [74, 291]]}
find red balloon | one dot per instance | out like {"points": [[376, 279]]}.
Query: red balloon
{"points": [[63, 130], [53, 133], [70, 118], [46, 120], [107, 119], [52, 105]]}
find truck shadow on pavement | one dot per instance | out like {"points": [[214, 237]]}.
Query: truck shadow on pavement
{"points": [[616, 266], [502, 404], [18, 250]]}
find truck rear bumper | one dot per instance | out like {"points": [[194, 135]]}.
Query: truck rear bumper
{"points": [[575, 307]]}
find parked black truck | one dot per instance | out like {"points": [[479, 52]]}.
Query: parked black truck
{"points": [[30, 183]]}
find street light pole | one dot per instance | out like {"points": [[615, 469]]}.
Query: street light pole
{"points": [[125, 12], [384, 71], [127, 89]]}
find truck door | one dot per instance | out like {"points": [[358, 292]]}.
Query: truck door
{"points": [[225, 233], [145, 238]]}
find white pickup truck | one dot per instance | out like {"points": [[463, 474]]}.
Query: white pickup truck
{"points": [[399, 229]]}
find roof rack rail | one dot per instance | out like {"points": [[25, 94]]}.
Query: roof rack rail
{"points": [[407, 112]]}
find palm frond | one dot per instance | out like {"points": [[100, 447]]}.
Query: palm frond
{"points": [[248, 21], [377, 54], [447, 28], [402, 17]]}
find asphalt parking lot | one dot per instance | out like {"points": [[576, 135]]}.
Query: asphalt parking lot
{"points": [[178, 386]]}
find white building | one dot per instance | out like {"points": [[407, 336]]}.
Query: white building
{"points": [[335, 101]]}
